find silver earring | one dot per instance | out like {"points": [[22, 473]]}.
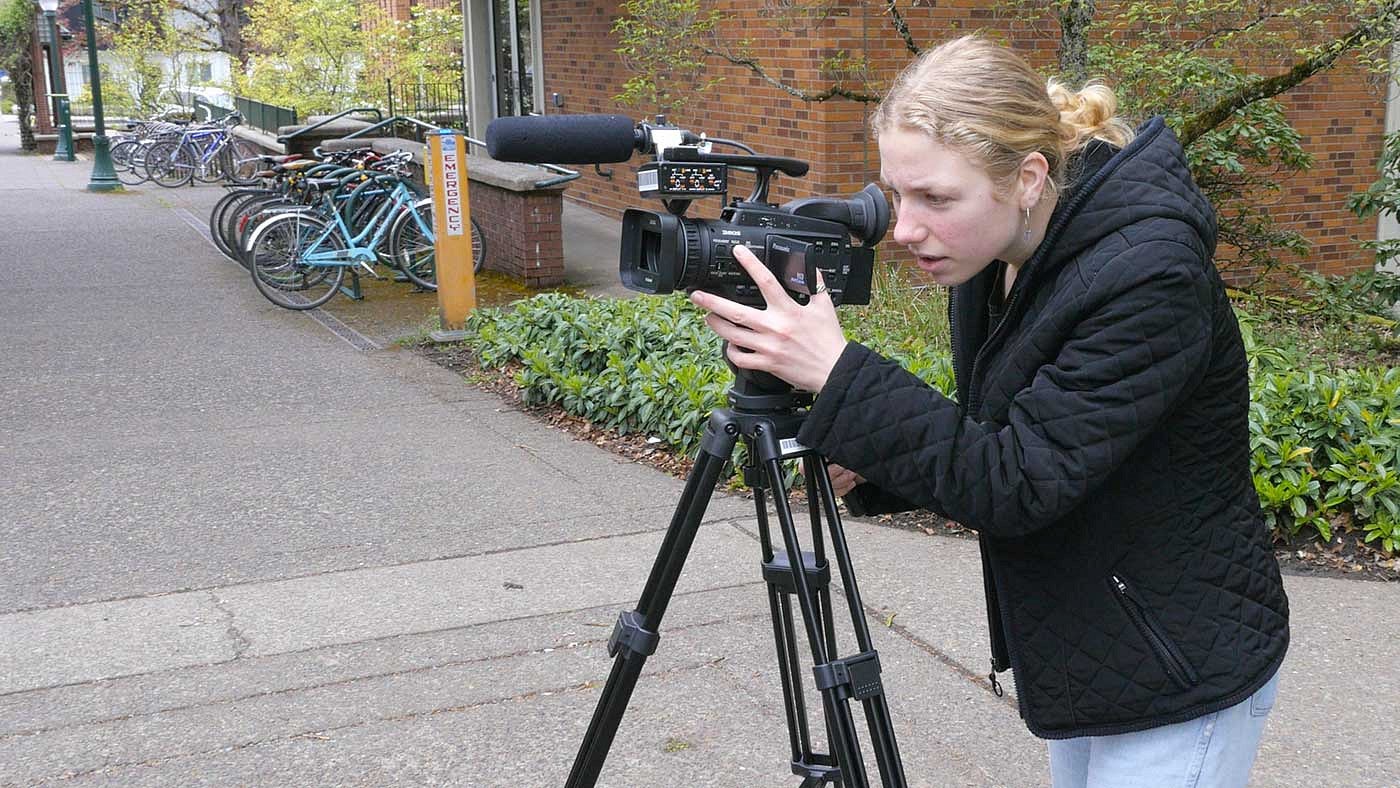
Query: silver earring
{"points": [[1027, 225]]}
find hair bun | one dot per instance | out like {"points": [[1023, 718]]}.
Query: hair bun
{"points": [[1088, 113]]}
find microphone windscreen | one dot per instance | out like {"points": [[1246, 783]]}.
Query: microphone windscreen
{"points": [[562, 139]]}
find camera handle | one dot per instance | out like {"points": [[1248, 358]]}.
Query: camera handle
{"points": [[764, 166], [768, 424]]}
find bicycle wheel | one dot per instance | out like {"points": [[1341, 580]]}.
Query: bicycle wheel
{"points": [[478, 247], [218, 215], [129, 160], [170, 164], [242, 161], [251, 215], [276, 261], [412, 247], [211, 171]]}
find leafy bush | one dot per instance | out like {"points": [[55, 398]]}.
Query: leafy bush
{"points": [[1325, 447]]}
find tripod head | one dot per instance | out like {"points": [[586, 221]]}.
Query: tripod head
{"points": [[757, 392]]}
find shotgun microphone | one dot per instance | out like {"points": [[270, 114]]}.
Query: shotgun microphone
{"points": [[564, 139]]}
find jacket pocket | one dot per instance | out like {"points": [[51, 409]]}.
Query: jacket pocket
{"points": [[1166, 650]]}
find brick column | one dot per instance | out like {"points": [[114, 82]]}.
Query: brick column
{"points": [[523, 225]]}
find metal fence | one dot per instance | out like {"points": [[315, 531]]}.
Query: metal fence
{"points": [[206, 111], [442, 104], [267, 117]]}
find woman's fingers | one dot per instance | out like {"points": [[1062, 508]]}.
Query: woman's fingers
{"points": [[843, 480], [768, 284]]}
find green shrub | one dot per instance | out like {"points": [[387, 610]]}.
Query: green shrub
{"points": [[650, 365], [1325, 447]]}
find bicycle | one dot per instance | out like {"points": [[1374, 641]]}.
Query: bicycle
{"points": [[298, 259], [206, 153]]}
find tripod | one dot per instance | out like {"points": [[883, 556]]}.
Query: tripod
{"points": [[767, 414]]}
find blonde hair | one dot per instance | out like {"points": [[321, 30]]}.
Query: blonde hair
{"points": [[986, 102]]}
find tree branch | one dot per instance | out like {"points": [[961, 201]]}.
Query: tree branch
{"points": [[1210, 38], [1260, 88], [201, 14], [901, 27], [832, 92]]}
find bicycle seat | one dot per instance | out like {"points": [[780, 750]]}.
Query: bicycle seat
{"points": [[322, 183], [268, 158], [298, 165]]}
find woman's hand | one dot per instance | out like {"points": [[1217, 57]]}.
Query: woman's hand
{"points": [[843, 480], [799, 344]]}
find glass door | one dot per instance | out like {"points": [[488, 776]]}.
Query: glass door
{"points": [[513, 69]]}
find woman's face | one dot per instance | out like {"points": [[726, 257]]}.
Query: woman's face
{"points": [[947, 211]]}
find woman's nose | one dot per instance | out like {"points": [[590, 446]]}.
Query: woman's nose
{"points": [[905, 230]]}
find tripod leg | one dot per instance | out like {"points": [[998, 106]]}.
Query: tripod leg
{"points": [[636, 634], [877, 712], [844, 744]]}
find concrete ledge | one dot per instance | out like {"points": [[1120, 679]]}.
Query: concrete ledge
{"points": [[259, 138], [508, 175], [336, 128]]}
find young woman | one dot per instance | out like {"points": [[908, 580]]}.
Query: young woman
{"points": [[1098, 443]]}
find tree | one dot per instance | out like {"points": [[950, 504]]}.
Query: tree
{"points": [[143, 42], [306, 54], [1214, 68], [220, 29], [16, 38], [425, 48], [324, 55], [657, 41]]}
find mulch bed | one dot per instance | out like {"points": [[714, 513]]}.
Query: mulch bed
{"points": [[1346, 556]]}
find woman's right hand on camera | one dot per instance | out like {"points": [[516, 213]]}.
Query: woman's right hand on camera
{"points": [[843, 480]]}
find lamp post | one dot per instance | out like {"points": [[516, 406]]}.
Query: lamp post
{"points": [[63, 149], [104, 175]]}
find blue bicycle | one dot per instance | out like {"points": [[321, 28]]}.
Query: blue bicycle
{"points": [[298, 258]]}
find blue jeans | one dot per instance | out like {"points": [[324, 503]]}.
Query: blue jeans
{"points": [[1214, 751]]}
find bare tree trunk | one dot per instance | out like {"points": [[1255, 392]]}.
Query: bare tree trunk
{"points": [[23, 79], [232, 17], [1075, 18]]}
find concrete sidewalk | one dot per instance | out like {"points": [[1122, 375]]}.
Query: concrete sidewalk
{"points": [[245, 546]]}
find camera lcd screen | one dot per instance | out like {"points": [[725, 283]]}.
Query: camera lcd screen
{"points": [[788, 259]]}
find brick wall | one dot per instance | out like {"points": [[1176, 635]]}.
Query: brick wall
{"points": [[1341, 114], [523, 232]]}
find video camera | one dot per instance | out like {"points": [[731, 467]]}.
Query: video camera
{"points": [[666, 251]]}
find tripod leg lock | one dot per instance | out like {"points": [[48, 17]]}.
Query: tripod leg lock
{"points": [[852, 677], [629, 634]]}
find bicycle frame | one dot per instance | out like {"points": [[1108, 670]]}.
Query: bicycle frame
{"points": [[358, 250]]}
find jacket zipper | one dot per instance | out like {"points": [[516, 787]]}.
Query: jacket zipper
{"points": [[1001, 655], [996, 628], [1170, 656]]}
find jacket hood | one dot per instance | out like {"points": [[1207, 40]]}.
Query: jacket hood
{"points": [[1147, 179]]}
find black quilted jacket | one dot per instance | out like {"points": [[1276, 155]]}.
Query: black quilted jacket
{"points": [[1101, 452]]}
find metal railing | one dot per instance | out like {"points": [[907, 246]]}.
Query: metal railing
{"points": [[268, 117], [284, 139], [441, 104], [207, 111]]}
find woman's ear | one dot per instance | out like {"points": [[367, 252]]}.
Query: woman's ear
{"points": [[1033, 177]]}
